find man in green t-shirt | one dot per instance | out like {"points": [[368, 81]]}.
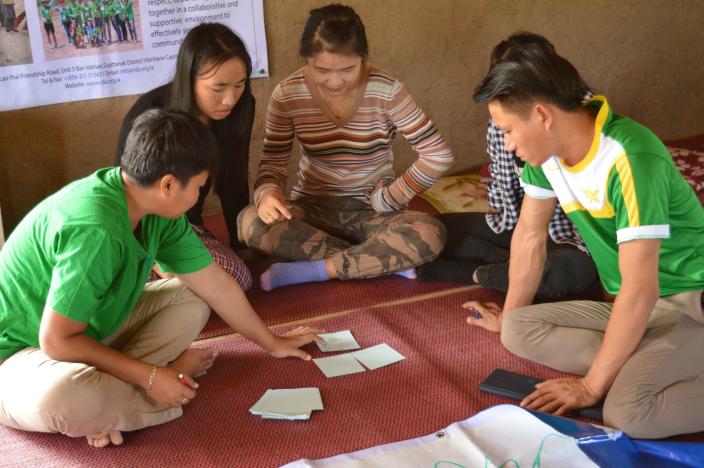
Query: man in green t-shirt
{"points": [[86, 349], [642, 224]]}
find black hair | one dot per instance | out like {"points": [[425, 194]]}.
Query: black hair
{"points": [[334, 28], [519, 40], [165, 142], [530, 73], [214, 44]]}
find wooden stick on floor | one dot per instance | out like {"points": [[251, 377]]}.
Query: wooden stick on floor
{"points": [[407, 300]]}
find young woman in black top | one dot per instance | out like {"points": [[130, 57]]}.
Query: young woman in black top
{"points": [[212, 83]]}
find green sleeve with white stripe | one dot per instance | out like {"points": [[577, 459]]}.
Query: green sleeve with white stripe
{"points": [[535, 176], [639, 192]]}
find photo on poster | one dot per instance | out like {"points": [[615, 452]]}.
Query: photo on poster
{"points": [[15, 48], [78, 28], [94, 49]]}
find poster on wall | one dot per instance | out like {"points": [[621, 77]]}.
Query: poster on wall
{"points": [[54, 51]]}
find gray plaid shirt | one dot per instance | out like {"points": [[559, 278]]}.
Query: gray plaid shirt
{"points": [[506, 194]]}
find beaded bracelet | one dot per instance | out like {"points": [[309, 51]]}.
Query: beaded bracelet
{"points": [[152, 377]]}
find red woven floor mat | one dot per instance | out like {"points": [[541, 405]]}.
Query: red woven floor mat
{"points": [[309, 300], [434, 386]]}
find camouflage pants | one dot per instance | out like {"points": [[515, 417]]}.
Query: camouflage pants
{"points": [[360, 242]]}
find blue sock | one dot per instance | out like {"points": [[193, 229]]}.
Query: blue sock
{"points": [[284, 274], [410, 274]]}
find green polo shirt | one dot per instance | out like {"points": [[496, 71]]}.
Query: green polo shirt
{"points": [[76, 253]]}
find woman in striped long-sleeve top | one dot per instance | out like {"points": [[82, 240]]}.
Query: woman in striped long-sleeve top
{"points": [[346, 216]]}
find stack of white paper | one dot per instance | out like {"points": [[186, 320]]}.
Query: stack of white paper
{"points": [[291, 403]]}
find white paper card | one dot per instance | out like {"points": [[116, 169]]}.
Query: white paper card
{"points": [[378, 356], [290, 403], [286, 416], [338, 341], [258, 407], [342, 364], [294, 400]]}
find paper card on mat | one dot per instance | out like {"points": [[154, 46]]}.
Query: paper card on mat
{"points": [[258, 407], [294, 401], [290, 403], [289, 417], [342, 364], [378, 356], [338, 341]]}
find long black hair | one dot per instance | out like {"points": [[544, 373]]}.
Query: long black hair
{"points": [[214, 44]]}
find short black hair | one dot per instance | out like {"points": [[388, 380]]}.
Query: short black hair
{"points": [[334, 28], [165, 142], [520, 40], [528, 73]]}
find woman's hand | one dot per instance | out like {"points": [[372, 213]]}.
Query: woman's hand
{"points": [[288, 344], [376, 199], [272, 207], [169, 390]]}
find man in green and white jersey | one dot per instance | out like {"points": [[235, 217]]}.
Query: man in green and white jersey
{"points": [[644, 227]]}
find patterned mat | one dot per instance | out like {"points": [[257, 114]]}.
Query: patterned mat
{"points": [[434, 386], [302, 301]]}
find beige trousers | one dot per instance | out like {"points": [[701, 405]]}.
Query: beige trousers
{"points": [[659, 391], [40, 394]]}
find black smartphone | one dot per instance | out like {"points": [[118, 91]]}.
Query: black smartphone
{"points": [[517, 386]]}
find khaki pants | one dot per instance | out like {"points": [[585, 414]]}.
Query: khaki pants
{"points": [[360, 242], [659, 391], [43, 395]]}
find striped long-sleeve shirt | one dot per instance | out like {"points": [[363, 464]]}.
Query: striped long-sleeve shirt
{"points": [[348, 156]]}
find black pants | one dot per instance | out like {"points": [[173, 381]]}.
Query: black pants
{"points": [[8, 16], [472, 245]]}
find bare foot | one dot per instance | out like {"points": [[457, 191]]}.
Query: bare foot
{"points": [[103, 439], [194, 361]]}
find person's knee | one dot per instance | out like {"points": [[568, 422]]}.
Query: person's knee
{"points": [[201, 314], [511, 336], [439, 237], [74, 405], [516, 332], [432, 234], [245, 224], [179, 295], [639, 409], [632, 417], [200, 310]]}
